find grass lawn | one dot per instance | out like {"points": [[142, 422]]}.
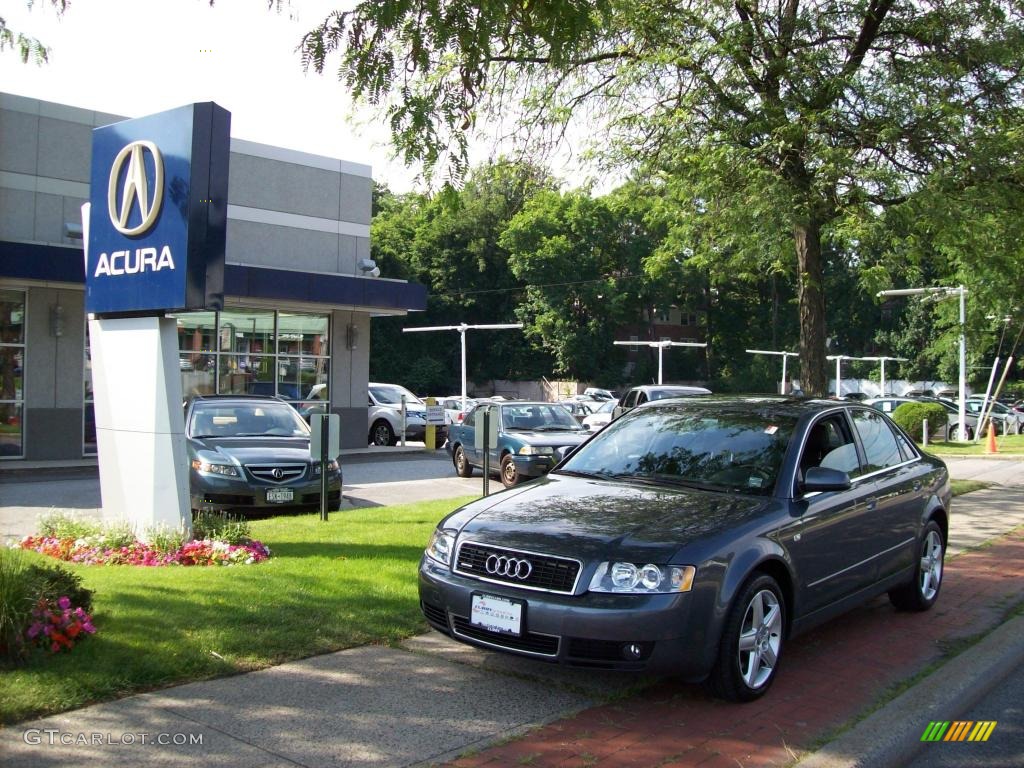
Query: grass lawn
{"points": [[328, 586], [1008, 444], [960, 487]]}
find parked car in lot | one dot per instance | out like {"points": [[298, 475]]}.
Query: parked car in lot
{"points": [[1007, 420], [948, 431], [453, 410], [385, 415], [601, 416], [529, 436], [696, 537], [249, 453], [579, 409], [643, 394]]}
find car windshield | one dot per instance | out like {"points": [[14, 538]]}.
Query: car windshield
{"points": [[718, 448], [538, 417], [246, 419], [391, 394]]}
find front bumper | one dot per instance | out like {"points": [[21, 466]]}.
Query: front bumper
{"points": [[587, 630], [241, 493], [533, 466]]}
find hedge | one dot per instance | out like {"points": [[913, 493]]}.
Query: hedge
{"points": [[911, 415]]}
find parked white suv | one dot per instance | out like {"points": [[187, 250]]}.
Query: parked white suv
{"points": [[385, 415]]}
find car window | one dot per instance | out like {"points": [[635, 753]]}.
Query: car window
{"points": [[248, 419], [717, 449], [391, 394], [830, 444], [537, 416], [641, 398], [631, 399], [880, 446], [470, 418]]}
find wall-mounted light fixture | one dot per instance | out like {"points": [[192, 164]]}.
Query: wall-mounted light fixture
{"points": [[57, 321], [369, 267], [351, 336], [73, 230]]}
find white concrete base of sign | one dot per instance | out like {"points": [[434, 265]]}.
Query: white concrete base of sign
{"points": [[140, 432]]}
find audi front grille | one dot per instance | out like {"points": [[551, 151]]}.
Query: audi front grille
{"points": [[276, 473], [528, 570]]}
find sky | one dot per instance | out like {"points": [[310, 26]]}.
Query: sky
{"points": [[137, 57]]}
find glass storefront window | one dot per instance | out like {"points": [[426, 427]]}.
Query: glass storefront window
{"points": [[250, 331], [304, 335], [12, 372], [246, 375]]}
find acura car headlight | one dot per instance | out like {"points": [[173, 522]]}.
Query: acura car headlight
{"points": [[441, 546], [536, 450], [630, 578], [211, 468], [332, 466]]}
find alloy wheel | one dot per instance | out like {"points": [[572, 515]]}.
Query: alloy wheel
{"points": [[931, 565], [760, 639]]}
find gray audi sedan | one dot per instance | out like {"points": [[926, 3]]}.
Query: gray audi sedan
{"points": [[696, 537], [249, 453]]}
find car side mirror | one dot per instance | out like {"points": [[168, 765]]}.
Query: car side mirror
{"points": [[563, 451], [825, 479]]}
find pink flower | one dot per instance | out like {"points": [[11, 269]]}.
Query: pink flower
{"points": [[64, 603]]}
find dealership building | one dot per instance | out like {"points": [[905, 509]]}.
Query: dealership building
{"points": [[300, 288]]}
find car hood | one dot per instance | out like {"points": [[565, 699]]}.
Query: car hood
{"points": [[593, 519], [553, 439], [254, 450]]}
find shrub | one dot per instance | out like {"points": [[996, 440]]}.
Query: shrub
{"points": [[60, 525], [219, 525], [18, 597], [910, 415], [54, 582]]}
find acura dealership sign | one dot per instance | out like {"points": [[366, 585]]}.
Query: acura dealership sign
{"points": [[158, 214]]}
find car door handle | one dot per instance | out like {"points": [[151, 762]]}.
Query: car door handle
{"points": [[871, 503], [917, 485]]}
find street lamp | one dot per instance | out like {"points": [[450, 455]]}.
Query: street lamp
{"points": [[882, 361], [660, 345], [944, 293], [839, 359], [462, 328], [785, 356]]}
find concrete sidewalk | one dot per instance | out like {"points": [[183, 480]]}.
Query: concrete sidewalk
{"points": [[433, 700]]}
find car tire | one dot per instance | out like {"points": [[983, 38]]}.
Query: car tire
{"points": [[510, 476], [954, 433], [921, 592], [381, 434], [462, 466], [751, 645]]}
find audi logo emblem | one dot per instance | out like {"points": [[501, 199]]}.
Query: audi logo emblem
{"points": [[510, 567], [278, 473]]}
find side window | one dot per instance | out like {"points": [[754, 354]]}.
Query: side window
{"points": [[879, 442], [829, 444], [906, 449], [631, 398], [470, 418], [641, 398]]}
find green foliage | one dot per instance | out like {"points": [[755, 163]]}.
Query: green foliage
{"points": [[61, 525], [18, 596], [220, 525], [910, 417], [52, 581], [166, 541]]}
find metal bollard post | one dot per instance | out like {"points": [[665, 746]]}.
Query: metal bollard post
{"points": [[403, 421], [924, 433]]}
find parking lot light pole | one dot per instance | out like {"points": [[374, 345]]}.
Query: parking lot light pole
{"points": [[839, 359], [940, 293], [882, 361], [785, 356], [462, 328], [660, 345]]}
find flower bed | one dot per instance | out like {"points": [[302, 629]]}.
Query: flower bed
{"points": [[58, 627], [92, 550]]}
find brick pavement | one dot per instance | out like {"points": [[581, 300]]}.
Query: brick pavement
{"points": [[827, 677]]}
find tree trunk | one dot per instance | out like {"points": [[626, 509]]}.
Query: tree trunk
{"points": [[813, 377]]}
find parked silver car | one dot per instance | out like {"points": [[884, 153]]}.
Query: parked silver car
{"points": [[384, 417], [947, 431]]}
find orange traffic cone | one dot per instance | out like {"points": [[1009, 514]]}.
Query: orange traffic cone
{"points": [[991, 447]]}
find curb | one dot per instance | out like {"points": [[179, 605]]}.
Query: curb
{"points": [[892, 736]]}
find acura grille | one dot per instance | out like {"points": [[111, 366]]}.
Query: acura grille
{"points": [[276, 473]]}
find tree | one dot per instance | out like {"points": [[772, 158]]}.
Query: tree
{"points": [[27, 46], [814, 113]]}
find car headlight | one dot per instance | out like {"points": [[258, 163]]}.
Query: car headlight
{"points": [[332, 466], [629, 578], [536, 450], [210, 468], [441, 546]]}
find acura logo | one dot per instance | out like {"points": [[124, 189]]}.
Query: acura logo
{"points": [[510, 567], [135, 191], [278, 473]]}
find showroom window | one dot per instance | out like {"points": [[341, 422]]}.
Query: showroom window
{"points": [[258, 352], [12, 373]]}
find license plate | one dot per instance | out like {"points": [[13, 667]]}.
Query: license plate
{"points": [[279, 495], [497, 614]]}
